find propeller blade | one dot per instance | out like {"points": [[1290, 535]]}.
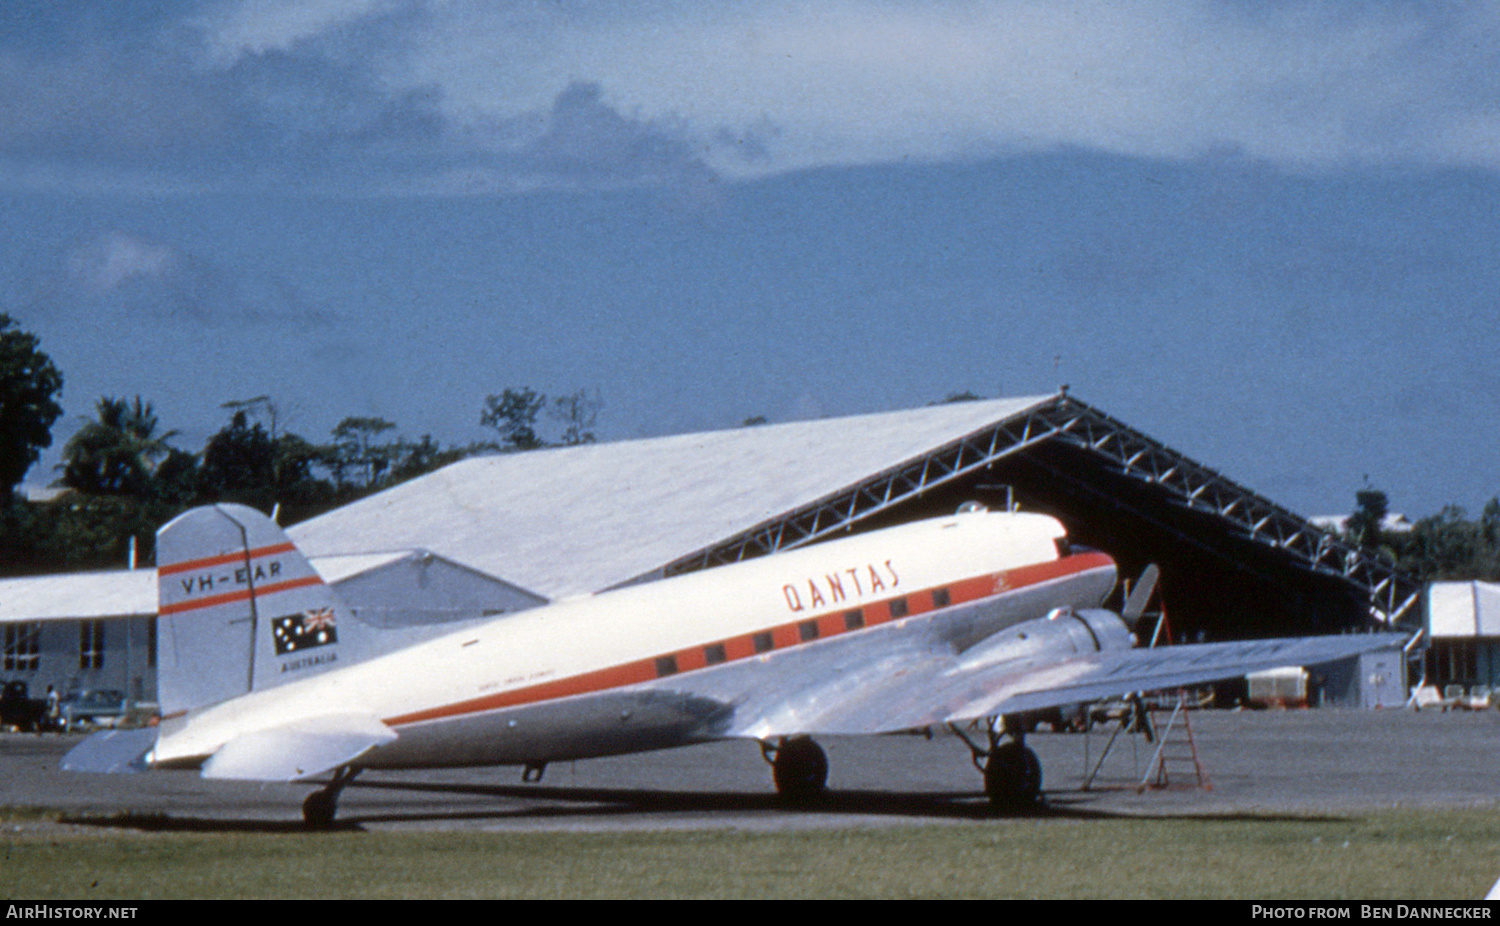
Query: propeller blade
{"points": [[1140, 595]]}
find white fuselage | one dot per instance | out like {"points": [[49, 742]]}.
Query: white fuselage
{"points": [[745, 650]]}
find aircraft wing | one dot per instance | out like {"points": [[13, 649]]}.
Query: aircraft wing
{"points": [[953, 689]]}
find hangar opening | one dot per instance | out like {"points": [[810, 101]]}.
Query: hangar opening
{"points": [[1233, 564]]}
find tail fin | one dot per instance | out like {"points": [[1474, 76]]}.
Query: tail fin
{"points": [[240, 609]]}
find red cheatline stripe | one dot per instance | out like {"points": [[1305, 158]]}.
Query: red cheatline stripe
{"points": [[242, 595], [210, 561], [1054, 569], [783, 636]]}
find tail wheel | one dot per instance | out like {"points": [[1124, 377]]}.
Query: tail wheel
{"points": [[319, 809], [322, 805], [800, 769], [1013, 777]]}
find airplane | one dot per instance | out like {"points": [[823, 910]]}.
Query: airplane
{"points": [[968, 622]]}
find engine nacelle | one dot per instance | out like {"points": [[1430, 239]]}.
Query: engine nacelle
{"points": [[1110, 630], [1063, 632]]}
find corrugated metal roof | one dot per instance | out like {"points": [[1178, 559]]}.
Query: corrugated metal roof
{"points": [[1463, 609], [121, 593], [335, 569], [573, 520], [129, 592]]}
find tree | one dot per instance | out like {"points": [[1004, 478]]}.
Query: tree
{"points": [[1489, 523], [1449, 547], [239, 463], [578, 412], [513, 415], [256, 407], [243, 463], [353, 449], [292, 460], [175, 480], [412, 460], [29, 387], [116, 453], [1368, 519], [952, 397]]}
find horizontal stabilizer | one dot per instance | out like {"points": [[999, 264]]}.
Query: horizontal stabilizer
{"points": [[111, 751], [300, 750]]}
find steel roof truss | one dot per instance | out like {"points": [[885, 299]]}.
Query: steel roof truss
{"points": [[1187, 484]]}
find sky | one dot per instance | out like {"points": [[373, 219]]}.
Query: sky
{"points": [[1265, 233]]}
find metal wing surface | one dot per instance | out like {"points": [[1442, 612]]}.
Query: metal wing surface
{"points": [[902, 694]]}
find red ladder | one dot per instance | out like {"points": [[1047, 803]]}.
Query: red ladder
{"points": [[1169, 748]]}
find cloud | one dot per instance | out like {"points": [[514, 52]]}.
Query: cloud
{"points": [[172, 104], [115, 260], [231, 31], [92, 105], [581, 141], [451, 95], [1295, 83], [115, 275]]}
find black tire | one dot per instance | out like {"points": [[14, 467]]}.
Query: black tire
{"points": [[1013, 777], [800, 769]]}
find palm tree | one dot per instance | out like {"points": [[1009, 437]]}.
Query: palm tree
{"points": [[117, 453]]}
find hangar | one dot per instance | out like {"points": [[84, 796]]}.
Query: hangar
{"points": [[575, 520], [500, 533]]}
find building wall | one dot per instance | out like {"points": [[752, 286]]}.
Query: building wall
{"points": [[112, 652], [1367, 681], [421, 589]]}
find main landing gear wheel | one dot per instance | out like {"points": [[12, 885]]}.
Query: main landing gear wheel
{"points": [[1013, 777], [800, 769], [321, 806]]}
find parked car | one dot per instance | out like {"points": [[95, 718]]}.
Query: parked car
{"points": [[19, 710], [100, 707]]}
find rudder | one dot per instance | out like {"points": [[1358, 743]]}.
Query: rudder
{"points": [[239, 609]]}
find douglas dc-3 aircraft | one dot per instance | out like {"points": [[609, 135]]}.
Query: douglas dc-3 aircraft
{"points": [[962, 621]]}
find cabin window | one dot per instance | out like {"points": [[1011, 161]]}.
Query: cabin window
{"points": [[763, 642], [666, 665], [23, 647], [808, 630], [940, 598], [898, 608], [714, 653], [853, 620]]}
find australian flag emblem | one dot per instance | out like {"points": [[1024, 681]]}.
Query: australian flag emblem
{"points": [[297, 632]]}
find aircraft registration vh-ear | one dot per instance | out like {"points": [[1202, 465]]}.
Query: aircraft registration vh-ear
{"points": [[969, 621]]}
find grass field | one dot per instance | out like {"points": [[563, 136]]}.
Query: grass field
{"points": [[1405, 854]]}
